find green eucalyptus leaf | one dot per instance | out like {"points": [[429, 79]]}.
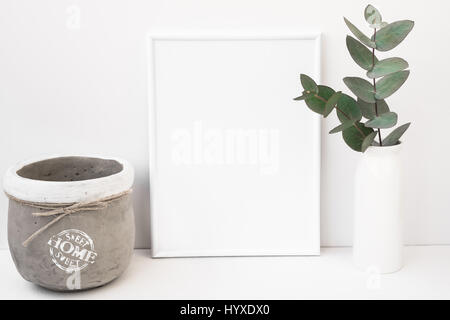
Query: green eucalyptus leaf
{"points": [[389, 84], [360, 53], [354, 138], [368, 109], [359, 35], [373, 16], [394, 137], [387, 66], [329, 106], [361, 88], [343, 126], [308, 84], [349, 106], [318, 104], [367, 142], [304, 96], [393, 34], [384, 121]]}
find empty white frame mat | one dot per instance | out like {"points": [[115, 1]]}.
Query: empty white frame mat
{"points": [[234, 161]]}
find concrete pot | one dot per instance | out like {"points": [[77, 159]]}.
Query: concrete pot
{"points": [[86, 248]]}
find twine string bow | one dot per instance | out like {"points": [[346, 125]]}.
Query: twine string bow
{"points": [[60, 210]]}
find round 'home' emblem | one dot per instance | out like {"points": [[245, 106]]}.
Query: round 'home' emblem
{"points": [[72, 250]]}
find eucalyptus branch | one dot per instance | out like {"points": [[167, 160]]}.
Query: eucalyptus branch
{"points": [[387, 76]]}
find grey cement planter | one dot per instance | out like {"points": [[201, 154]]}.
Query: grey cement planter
{"points": [[84, 249]]}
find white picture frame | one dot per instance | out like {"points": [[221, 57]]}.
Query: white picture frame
{"points": [[196, 209]]}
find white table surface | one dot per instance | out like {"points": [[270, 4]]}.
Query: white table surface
{"points": [[426, 275]]}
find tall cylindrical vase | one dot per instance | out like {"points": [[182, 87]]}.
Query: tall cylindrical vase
{"points": [[377, 241]]}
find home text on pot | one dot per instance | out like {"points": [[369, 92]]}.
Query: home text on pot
{"points": [[71, 250]]}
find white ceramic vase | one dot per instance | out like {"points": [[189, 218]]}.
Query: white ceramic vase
{"points": [[377, 241]]}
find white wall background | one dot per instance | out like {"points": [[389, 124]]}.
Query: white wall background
{"points": [[83, 90]]}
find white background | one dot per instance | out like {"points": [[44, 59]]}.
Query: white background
{"points": [[84, 91]]}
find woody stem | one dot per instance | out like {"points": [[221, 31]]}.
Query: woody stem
{"points": [[375, 87]]}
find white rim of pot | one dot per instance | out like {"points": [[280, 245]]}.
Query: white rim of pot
{"points": [[67, 191]]}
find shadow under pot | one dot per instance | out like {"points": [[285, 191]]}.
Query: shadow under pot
{"points": [[70, 220]]}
